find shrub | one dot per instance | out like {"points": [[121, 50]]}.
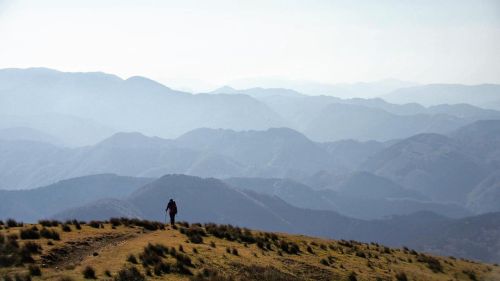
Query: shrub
{"points": [[75, 223], [66, 228], [183, 224], [30, 233], [161, 268], [32, 247], [89, 273], [131, 258], [95, 224], [148, 225], [107, 273], [230, 233], [49, 223], [325, 262], [471, 274], [129, 274], [212, 244], [310, 250], [194, 233], [152, 254], [115, 222], [401, 276], [13, 255], [50, 234], [432, 263], [361, 254], [352, 276], [235, 252], [13, 223], [289, 247], [181, 269], [35, 270], [183, 259], [1, 222]]}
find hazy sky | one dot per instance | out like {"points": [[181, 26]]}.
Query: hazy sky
{"points": [[219, 41]]}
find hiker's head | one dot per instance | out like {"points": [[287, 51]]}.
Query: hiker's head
{"points": [[171, 200]]}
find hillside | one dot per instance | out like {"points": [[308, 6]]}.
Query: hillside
{"points": [[142, 250], [46, 201]]}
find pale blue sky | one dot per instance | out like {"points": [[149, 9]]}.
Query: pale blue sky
{"points": [[204, 43]]}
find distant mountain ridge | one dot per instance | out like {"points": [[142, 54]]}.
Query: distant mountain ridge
{"points": [[484, 95], [105, 97], [444, 169], [94, 103], [279, 152]]}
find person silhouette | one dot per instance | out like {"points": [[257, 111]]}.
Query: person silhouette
{"points": [[171, 210]]}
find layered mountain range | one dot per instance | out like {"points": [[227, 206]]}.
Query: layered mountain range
{"points": [[94, 146], [83, 108]]}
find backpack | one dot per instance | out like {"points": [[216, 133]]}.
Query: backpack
{"points": [[174, 208]]}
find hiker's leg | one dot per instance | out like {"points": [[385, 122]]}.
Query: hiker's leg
{"points": [[172, 219]]}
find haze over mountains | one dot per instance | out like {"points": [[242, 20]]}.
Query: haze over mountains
{"points": [[100, 104], [92, 145]]}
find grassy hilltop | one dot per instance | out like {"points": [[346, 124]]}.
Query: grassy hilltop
{"points": [[123, 249]]}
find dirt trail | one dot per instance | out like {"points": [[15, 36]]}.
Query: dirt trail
{"points": [[75, 251]]}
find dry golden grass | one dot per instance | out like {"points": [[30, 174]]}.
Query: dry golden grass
{"points": [[107, 249]]}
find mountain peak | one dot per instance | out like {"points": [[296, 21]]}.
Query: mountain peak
{"points": [[131, 139]]}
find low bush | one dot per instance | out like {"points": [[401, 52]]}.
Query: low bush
{"points": [[401, 276], [131, 258], [49, 223], [310, 250], [194, 233], [65, 227], [11, 254], [152, 254], [161, 268], [235, 252], [13, 236], [432, 263], [13, 223], [148, 225], [32, 247], [30, 233], [89, 273], [289, 247], [471, 274], [230, 233], [34, 270], [50, 234], [129, 274], [352, 276], [95, 224]]}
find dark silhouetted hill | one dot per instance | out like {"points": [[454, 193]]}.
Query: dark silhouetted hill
{"points": [[44, 202]]}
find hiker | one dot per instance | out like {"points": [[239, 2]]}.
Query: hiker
{"points": [[171, 210]]}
